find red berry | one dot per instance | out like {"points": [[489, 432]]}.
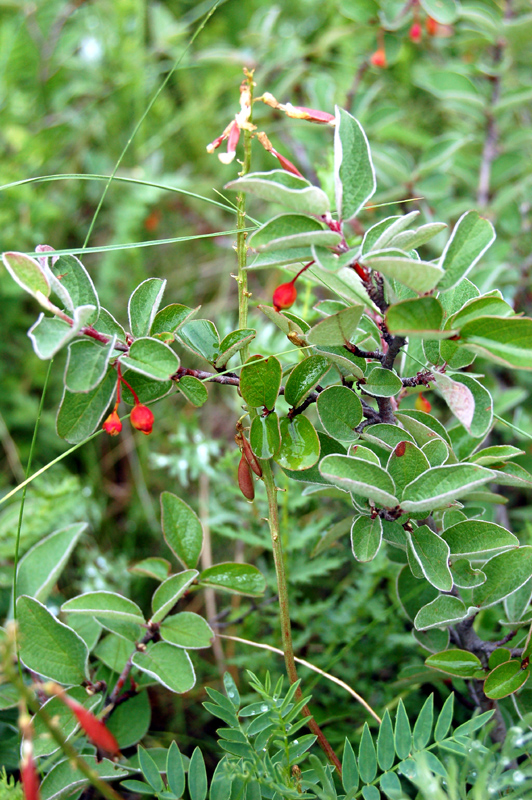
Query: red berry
{"points": [[284, 296], [378, 58], [142, 419], [112, 424], [416, 33]]}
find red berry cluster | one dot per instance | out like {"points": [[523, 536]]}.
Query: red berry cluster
{"points": [[141, 417]]}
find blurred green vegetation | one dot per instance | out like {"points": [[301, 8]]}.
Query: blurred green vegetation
{"points": [[75, 79]]}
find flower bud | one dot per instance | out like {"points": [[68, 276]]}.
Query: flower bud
{"points": [[431, 26], [378, 58], [112, 424], [95, 729], [415, 33], [245, 479], [422, 404], [29, 776], [284, 296], [142, 418]]}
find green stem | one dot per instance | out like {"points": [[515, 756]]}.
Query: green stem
{"points": [[284, 610], [267, 471]]}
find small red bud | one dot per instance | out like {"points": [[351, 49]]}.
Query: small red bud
{"points": [[284, 296], [400, 449], [112, 424], [415, 33], [378, 58], [431, 26], [142, 418], [95, 729], [422, 404]]}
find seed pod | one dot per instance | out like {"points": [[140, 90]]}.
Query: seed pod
{"points": [[250, 457], [245, 479]]}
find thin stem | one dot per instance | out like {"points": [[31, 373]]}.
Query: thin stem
{"points": [[284, 610], [23, 500]]}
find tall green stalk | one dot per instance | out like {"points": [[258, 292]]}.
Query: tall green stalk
{"points": [[267, 469]]}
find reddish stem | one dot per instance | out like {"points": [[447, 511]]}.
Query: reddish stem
{"points": [[131, 389], [310, 263]]}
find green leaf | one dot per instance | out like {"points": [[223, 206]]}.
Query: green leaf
{"points": [[49, 334], [130, 720], [386, 436], [439, 486], [168, 665], [152, 567], [403, 734], [303, 378], [391, 786], [265, 436], [48, 647], [300, 445], [406, 462], [105, 605], [370, 793], [171, 318], [367, 757], [421, 276], [27, 272], [152, 358], [350, 776], [280, 186], [144, 304], [471, 237], [423, 724], [422, 426], [73, 285], [432, 555], [444, 610], [380, 235], [517, 603], [340, 412], [233, 343], [413, 593], [505, 679], [40, 567], [65, 778], [147, 389], [194, 390], [460, 663], [197, 776], [168, 593], [181, 529], [490, 456], [108, 325], [443, 11], [260, 380], [187, 629], [234, 578], [380, 382], [409, 240], [488, 305], [87, 364], [421, 316], [433, 640], [505, 341], [175, 773], [385, 743], [464, 576], [149, 770], [348, 364], [366, 535], [201, 337], [114, 651], [478, 538], [360, 476], [505, 573], [287, 231], [337, 329], [312, 474], [354, 174], [445, 718]]}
